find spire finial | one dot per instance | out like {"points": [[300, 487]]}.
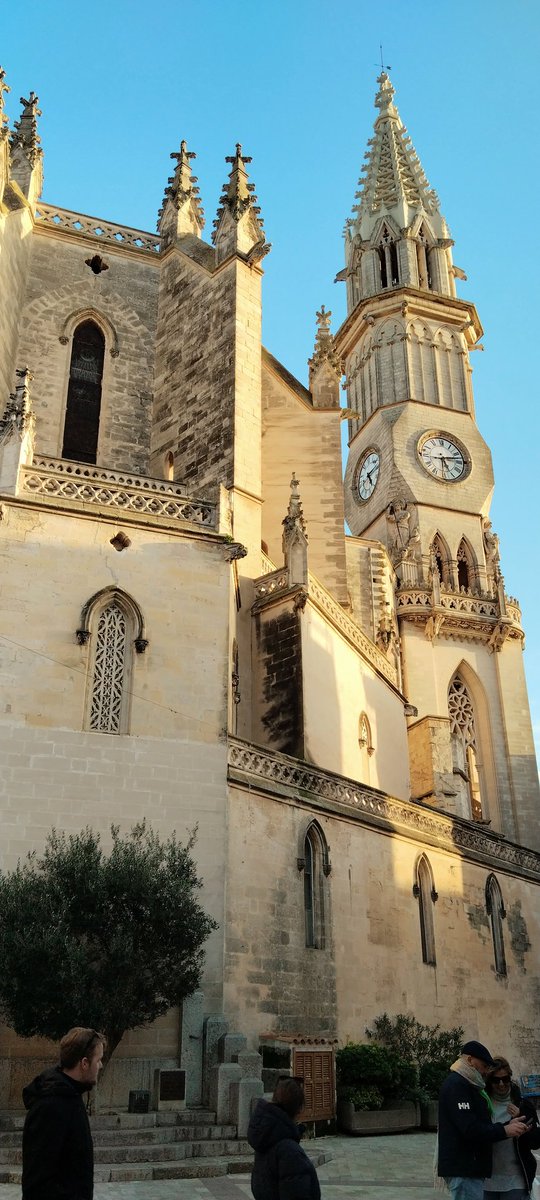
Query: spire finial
{"points": [[3, 116], [182, 194], [25, 133], [324, 351], [295, 538], [238, 225]]}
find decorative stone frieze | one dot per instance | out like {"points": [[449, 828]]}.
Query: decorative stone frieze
{"points": [[253, 766], [460, 614]]}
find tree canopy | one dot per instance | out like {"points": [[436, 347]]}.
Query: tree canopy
{"points": [[108, 940]]}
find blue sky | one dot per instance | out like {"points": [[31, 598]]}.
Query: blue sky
{"points": [[294, 80]]}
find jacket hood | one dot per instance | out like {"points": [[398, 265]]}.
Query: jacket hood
{"points": [[52, 1082], [269, 1125]]}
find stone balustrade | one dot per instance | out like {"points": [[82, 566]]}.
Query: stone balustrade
{"points": [[93, 227], [59, 479]]}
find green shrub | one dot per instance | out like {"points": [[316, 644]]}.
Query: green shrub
{"points": [[432, 1077], [365, 1068], [363, 1098]]}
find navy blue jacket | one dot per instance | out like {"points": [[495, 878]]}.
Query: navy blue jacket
{"points": [[282, 1170], [466, 1131], [58, 1156]]}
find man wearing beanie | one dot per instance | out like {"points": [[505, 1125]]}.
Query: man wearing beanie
{"points": [[466, 1130]]}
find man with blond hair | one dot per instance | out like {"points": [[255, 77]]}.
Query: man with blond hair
{"points": [[58, 1154]]}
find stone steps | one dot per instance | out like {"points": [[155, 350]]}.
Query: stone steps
{"points": [[138, 1147]]}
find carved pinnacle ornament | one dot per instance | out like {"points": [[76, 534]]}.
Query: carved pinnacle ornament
{"points": [[25, 132]]}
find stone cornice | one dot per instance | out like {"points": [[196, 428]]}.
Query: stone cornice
{"points": [[271, 772], [80, 225], [416, 302]]}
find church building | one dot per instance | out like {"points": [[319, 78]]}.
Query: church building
{"points": [[202, 624]]}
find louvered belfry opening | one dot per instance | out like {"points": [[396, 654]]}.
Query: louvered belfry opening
{"points": [[81, 428]]}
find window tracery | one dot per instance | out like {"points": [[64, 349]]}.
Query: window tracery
{"points": [[464, 742]]}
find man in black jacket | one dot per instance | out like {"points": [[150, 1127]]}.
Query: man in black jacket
{"points": [[58, 1154], [466, 1130]]}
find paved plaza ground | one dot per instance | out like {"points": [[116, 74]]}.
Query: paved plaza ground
{"points": [[378, 1168]]}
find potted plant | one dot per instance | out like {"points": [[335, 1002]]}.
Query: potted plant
{"points": [[431, 1050], [373, 1090]]}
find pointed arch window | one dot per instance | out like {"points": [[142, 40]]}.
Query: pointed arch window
{"points": [[424, 890], [439, 559], [464, 742], [169, 466], [388, 259], [81, 426], [315, 864], [496, 913], [423, 259], [112, 624], [465, 567]]}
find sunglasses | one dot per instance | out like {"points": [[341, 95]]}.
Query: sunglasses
{"points": [[501, 1078]]}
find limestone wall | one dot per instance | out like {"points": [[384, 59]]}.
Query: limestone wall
{"points": [[297, 438], [373, 962], [61, 291], [339, 687], [15, 238], [171, 767]]}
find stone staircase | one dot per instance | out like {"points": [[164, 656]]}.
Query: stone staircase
{"points": [[188, 1144]]}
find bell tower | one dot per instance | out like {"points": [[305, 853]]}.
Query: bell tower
{"points": [[419, 479]]}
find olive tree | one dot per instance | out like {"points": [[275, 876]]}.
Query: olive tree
{"points": [[108, 940]]}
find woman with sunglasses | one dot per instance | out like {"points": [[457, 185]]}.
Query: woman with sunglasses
{"points": [[514, 1164]]}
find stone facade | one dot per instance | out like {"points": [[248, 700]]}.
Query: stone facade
{"points": [[330, 709]]}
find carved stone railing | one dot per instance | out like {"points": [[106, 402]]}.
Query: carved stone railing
{"points": [[254, 766], [268, 567], [277, 582], [270, 583], [106, 231], [476, 616], [59, 479], [340, 619]]}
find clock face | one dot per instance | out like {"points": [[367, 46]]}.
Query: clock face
{"points": [[368, 474], [443, 458]]}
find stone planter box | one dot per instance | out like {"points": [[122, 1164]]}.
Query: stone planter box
{"points": [[430, 1114], [368, 1123]]}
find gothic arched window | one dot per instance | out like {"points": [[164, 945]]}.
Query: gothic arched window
{"points": [[81, 426], [113, 625], [424, 890], [422, 255], [316, 866], [388, 259], [465, 566], [439, 557], [169, 466], [496, 913], [464, 743]]}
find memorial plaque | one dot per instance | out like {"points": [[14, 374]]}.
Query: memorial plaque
{"points": [[172, 1085]]}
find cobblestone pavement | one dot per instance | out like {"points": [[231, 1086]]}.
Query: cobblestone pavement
{"points": [[380, 1168]]}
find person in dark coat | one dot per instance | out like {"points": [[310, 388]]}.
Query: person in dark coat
{"points": [[282, 1170], [514, 1164], [467, 1132], [58, 1155]]}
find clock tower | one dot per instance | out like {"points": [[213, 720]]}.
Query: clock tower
{"points": [[419, 480]]}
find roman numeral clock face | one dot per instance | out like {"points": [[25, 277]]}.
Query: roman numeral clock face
{"points": [[368, 474], [443, 458]]}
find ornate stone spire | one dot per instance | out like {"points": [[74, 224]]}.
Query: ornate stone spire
{"points": [[324, 365], [25, 132], [3, 115], [238, 226], [392, 180], [397, 215], [181, 212], [26, 152], [295, 538]]}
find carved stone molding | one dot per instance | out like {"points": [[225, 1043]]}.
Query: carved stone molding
{"points": [[253, 766], [78, 223]]}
